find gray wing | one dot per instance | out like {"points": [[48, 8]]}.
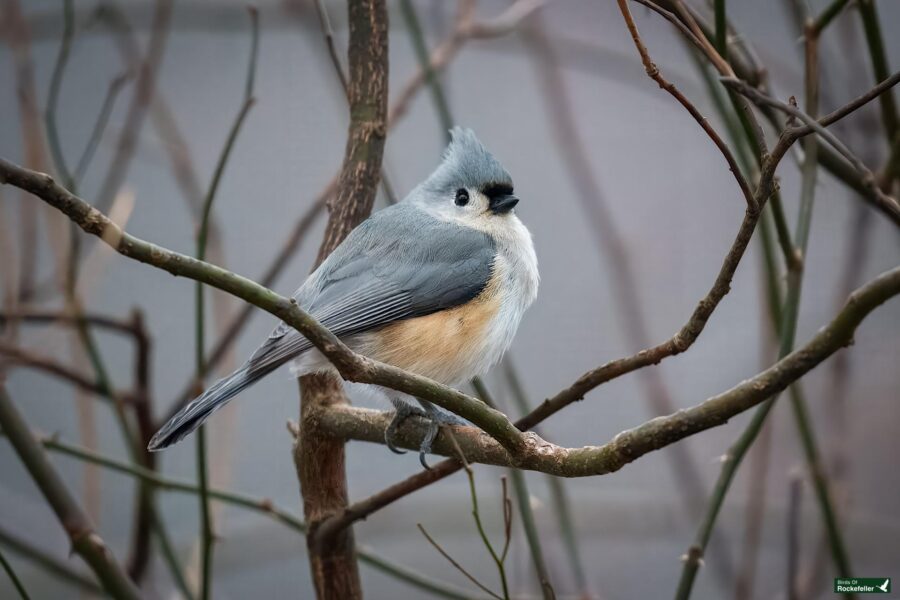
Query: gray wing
{"points": [[398, 264]]}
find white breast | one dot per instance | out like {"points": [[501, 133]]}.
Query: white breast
{"points": [[516, 264]]}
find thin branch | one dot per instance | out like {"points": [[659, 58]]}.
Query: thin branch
{"points": [[145, 85], [85, 541], [59, 67], [827, 16], [29, 315], [787, 332], [654, 73], [793, 536], [263, 506], [748, 68], [721, 28], [465, 28], [49, 563], [90, 148], [17, 583], [887, 204], [328, 33], [523, 499], [875, 41], [559, 497], [206, 527], [414, 28], [456, 565], [20, 356]]}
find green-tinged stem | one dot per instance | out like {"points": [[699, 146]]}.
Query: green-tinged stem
{"points": [[47, 562], [84, 334], [798, 404], [721, 28], [105, 383], [782, 230], [559, 496], [414, 27], [476, 516], [59, 68], [90, 147], [787, 332], [880, 66], [54, 142], [827, 16], [523, 499], [85, 541], [170, 556], [262, 506], [206, 526], [770, 268], [17, 583], [766, 240]]}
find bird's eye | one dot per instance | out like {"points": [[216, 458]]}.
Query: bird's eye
{"points": [[462, 197]]}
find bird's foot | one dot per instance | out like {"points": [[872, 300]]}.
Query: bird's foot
{"points": [[402, 411], [436, 420]]}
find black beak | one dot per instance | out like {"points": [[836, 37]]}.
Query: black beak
{"points": [[502, 204]]}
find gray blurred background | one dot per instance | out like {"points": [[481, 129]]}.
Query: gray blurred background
{"points": [[669, 196]]}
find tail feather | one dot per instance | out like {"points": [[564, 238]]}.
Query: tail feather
{"points": [[198, 410]]}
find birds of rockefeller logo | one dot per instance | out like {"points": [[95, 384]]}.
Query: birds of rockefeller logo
{"points": [[862, 585]]}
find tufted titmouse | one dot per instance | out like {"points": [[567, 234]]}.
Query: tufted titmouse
{"points": [[436, 284]]}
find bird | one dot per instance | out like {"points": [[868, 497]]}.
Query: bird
{"points": [[436, 284]]}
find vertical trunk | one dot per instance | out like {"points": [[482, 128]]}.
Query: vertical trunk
{"points": [[320, 458]]}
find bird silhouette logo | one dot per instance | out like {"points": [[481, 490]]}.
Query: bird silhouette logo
{"points": [[885, 587]]}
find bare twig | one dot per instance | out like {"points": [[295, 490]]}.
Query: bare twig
{"points": [[263, 506], [793, 536], [112, 93], [888, 205], [13, 577], [875, 41], [206, 527], [654, 73], [523, 499], [787, 332], [20, 356], [458, 566], [99, 320], [558, 494], [145, 85], [50, 564]]}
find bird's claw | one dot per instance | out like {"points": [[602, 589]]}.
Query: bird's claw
{"points": [[402, 411], [437, 419]]}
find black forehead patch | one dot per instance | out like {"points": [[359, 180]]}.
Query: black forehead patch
{"points": [[495, 190]]}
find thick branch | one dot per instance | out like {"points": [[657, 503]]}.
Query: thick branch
{"points": [[319, 456], [628, 446]]}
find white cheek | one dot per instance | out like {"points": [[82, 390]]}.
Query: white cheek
{"points": [[479, 203]]}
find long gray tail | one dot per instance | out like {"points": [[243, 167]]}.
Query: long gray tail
{"points": [[198, 410]]}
